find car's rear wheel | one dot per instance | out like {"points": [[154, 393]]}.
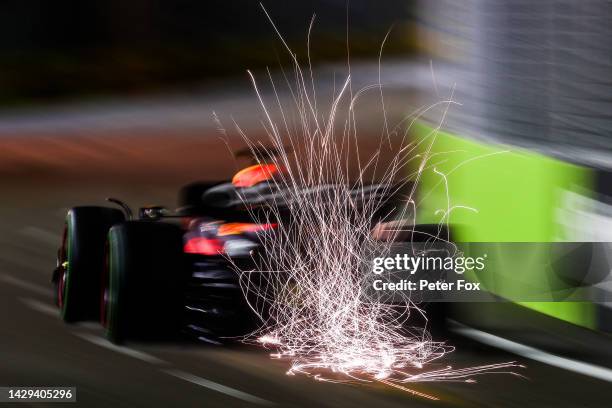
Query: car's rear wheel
{"points": [[146, 282], [81, 261]]}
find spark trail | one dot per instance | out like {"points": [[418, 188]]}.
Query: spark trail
{"points": [[308, 289]]}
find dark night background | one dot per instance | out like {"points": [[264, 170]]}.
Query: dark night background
{"points": [[63, 49]]}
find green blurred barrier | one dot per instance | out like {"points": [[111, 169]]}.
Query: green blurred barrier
{"points": [[515, 196]]}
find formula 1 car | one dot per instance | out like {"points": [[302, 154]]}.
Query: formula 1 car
{"points": [[164, 272]]}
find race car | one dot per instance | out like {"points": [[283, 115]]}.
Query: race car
{"points": [[161, 273]]}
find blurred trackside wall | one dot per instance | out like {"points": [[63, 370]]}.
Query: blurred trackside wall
{"points": [[534, 79]]}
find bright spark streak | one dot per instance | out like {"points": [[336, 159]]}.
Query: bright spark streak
{"points": [[308, 289]]}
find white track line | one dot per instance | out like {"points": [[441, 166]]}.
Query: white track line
{"points": [[99, 341], [41, 235], [32, 287], [41, 307], [202, 382], [591, 370]]}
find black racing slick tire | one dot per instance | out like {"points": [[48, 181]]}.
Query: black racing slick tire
{"points": [[80, 282], [147, 279]]}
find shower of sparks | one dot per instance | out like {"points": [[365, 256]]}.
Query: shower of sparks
{"points": [[309, 286]]}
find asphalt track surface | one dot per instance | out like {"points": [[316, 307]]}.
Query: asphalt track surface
{"points": [[46, 175]]}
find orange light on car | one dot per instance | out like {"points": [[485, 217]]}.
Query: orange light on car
{"points": [[254, 174], [203, 246], [237, 228]]}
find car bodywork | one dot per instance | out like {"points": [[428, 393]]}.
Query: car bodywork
{"points": [[221, 226]]}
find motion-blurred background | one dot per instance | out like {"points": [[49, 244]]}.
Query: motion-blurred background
{"points": [[158, 69], [53, 52], [116, 98]]}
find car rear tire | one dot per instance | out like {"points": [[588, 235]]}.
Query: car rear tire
{"points": [[147, 281], [78, 286]]}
